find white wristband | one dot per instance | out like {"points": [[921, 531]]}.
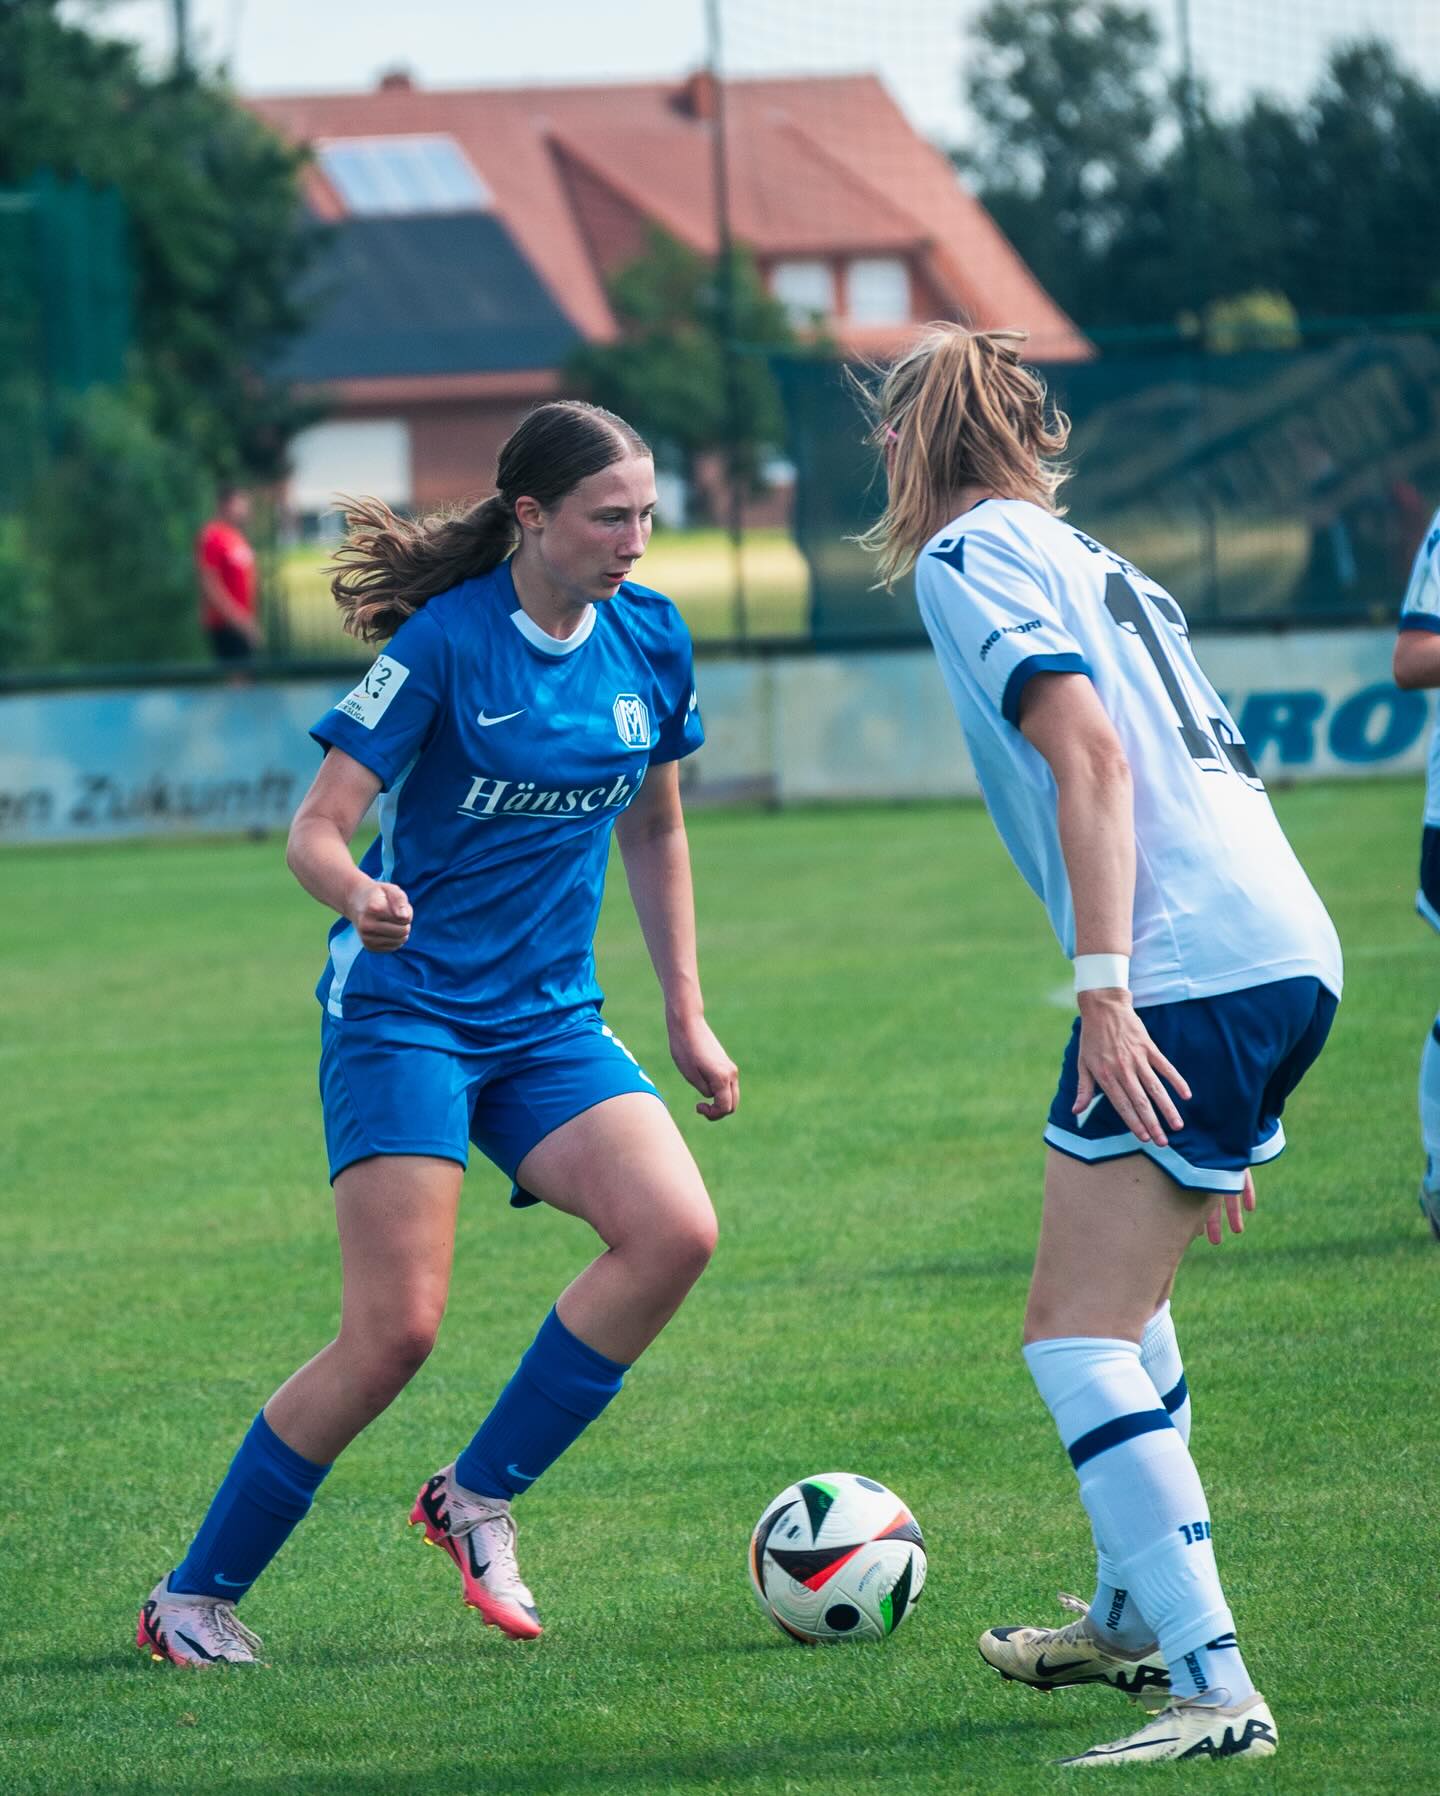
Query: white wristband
{"points": [[1101, 972]]}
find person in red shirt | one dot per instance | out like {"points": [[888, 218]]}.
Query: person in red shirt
{"points": [[225, 562]]}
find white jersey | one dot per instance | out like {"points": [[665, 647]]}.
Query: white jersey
{"points": [[1008, 591], [1420, 610]]}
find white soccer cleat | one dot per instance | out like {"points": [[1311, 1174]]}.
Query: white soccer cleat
{"points": [[1193, 1730], [479, 1535], [1057, 1658], [194, 1630]]}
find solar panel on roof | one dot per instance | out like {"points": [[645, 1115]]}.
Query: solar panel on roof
{"points": [[379, 176]]}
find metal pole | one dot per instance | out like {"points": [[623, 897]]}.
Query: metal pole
{"points": [[729, 348], [1195, 278], [181, 8]]}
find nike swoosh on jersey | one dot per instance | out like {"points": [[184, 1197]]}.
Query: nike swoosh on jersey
{"points": [[488, 722]]}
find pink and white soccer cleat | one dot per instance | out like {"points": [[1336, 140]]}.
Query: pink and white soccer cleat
{"points": [[479, 1535], [193, 1630]]}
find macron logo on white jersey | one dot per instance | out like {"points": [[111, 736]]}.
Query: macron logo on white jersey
{"points": [[372, 698]]}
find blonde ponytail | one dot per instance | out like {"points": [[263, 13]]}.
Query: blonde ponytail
{"points": [[958, 409]]}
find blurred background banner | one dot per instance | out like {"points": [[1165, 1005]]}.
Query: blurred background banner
{"points": [[1215, 220], [787, 727]]}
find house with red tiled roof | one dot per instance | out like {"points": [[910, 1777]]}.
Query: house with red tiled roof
{"points": [[475, 231]]}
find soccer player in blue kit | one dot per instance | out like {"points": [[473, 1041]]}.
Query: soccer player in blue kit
{"points": [[531, 699], [1207, 975], [1417, 664]]}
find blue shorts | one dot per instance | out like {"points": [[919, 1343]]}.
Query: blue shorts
{"points": [[394, 1084], [1241, 1053], [1427, 899]]}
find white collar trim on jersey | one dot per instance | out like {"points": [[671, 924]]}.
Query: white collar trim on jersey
{"points": [[553, 645]]}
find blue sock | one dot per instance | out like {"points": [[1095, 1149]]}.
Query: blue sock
{"points": [[558, 1389], [1430, 1103], [268, 1489]]}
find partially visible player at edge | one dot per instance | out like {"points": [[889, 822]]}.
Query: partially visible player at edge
{"points": [[530, 700], [1417, 664], [1206, 974]]}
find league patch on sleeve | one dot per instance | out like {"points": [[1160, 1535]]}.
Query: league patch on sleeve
{"points": [[370, 700]]}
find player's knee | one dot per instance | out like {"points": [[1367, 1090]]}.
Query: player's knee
{"points": [[688, 1241], [395, 1349]]}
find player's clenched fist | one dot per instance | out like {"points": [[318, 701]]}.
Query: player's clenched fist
{"points": [[381, 914]]}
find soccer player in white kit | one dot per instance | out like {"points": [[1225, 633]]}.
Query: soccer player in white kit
{"points": [[1417, 664], [1206, 974]]}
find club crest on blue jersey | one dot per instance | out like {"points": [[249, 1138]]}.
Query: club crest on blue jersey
{"points": [[632, 720]]}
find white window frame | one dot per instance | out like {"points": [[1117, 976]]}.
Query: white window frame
{"points": [[893, 306], [805, 286]]}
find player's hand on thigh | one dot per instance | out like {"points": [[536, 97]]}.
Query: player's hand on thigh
{"points": [[1117, 1056], [1233, 1206], [699, 1056]]}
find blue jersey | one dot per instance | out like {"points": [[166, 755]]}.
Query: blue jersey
{"points": [[504, 758], [1420, 610]]}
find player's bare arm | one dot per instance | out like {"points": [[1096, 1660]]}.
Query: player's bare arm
{"points": [[1417, 659], [318, 854], [656, 851], [1062, 717]]}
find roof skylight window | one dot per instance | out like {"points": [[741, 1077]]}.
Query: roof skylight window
{"points": [[377, 176]]}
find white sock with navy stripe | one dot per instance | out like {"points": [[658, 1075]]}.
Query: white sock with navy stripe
{"points": [[1114, 1615], [1145, 1501], [1430, 1103]]}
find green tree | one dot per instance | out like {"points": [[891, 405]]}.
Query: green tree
{"points": [[105, 483], [216, 228], [667, 372], [1348, 188], [1067, 99], [1329, 204], [110, 525]]}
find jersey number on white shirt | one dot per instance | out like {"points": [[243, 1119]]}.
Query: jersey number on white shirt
{"points": [[1218, 748]]}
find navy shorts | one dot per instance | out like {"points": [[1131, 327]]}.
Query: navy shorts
{"points": [[1241, 1053], [1427, 899], [392, 1084]]}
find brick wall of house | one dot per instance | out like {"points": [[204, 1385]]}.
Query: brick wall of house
{"points": [[453, 448]]}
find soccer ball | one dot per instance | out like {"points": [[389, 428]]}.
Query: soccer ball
{"points": [[837, 1557]]}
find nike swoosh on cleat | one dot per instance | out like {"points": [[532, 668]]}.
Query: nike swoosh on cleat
{"points": [[514, 1471], [195, 1646], [1114, 1752], [488, 722], [1050, 1671]]}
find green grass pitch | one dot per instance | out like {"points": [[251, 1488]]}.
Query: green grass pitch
{"points": [[891, 994]]}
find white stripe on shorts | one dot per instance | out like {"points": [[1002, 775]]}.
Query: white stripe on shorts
{"points": [[1195, 1178]]}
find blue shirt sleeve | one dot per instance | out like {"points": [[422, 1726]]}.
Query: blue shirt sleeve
{"points": [[1420, 609], [681, 731], [390, 716]]}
